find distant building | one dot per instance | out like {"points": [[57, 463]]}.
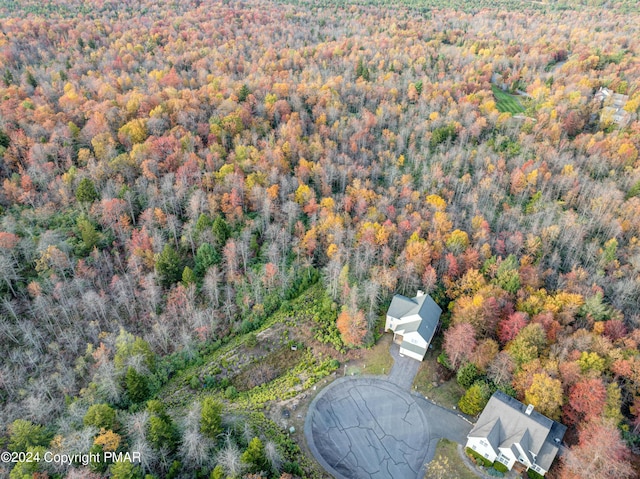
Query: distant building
{"points": [[612, 105], [510, 432], [414, 322]]}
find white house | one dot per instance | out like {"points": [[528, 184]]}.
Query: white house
{"points": [[612, 105], [507, 431], [414, 322]]}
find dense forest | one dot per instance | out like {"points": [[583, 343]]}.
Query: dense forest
{"points": [[177, 177]]}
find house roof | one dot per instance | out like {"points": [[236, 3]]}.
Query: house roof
{"points": [[503, 423], [424, 307], [402, 306]]}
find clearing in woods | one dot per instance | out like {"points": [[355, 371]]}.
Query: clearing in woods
{"points": [[506, 102]]}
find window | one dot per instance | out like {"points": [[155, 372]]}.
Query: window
{"points": [[486, 455]]}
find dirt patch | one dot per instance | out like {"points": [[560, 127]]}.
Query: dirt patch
{"points": [[437, 382], [267, 368]]}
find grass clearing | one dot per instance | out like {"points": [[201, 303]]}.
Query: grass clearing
{"points": [[506, 102], [376, 360], [244, 351], [437, 383], [447, 462]]}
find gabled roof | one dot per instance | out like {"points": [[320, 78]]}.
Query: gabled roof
{"points": [[535, 433], [490, 431], [425, 309], [402, 306]]}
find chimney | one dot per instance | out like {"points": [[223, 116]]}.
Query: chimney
{"points": [[419, 293], [529, 410]]}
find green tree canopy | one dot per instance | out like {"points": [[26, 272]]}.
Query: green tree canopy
{"points": [[206, 256], [169, 266], [124, 470], [24, 434], [467, 375], [255, 456], [162, 433], [100, 416], [243, 93], [137, 385], [128, 346], [475, 399], [188, 277], [211, 418], [220, 231], [86, 191]]}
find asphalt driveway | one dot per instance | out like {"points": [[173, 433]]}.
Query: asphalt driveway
{"points": [[404, 369], [371, 428]]}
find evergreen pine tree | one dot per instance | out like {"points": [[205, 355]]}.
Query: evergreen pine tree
{"points": [[168, 266]]}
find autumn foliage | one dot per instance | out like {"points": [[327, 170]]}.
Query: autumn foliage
{"points": [[183, 172], [352, 327]]}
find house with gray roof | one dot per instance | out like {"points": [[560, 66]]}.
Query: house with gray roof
{"points": [[612, 105], [414, 322], [509, 432]]}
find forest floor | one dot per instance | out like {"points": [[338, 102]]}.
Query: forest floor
{"points": [[437, 383]]}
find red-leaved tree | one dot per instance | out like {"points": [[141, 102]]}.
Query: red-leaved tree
{"points": [[600, 453], [459, 343]]}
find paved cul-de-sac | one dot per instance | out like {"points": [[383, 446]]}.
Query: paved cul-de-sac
{"points": [[367, 428]]}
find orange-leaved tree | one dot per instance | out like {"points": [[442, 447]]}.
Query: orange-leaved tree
{"points": [[352, 326]]}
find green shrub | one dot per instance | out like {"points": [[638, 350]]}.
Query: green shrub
{"points": [[475, 399], [477, 457], [534, 475], [467, 375], [174, 470], [443, 360], [231, 392], [252, 340], [498, 466], [194, 382]]}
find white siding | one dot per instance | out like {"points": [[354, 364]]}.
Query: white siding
{"points": [[538, 469], [411, 354], [387, 324], [508, 453], [523, 456], [482, 447]]}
